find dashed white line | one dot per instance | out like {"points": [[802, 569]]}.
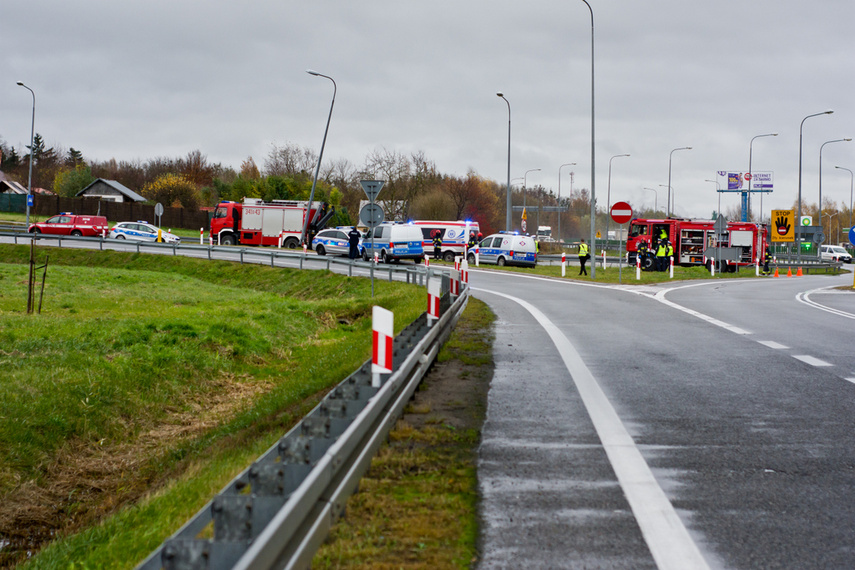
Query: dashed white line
{"points": [[773, 344], [813, 361]]}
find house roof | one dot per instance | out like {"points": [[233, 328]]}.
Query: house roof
{"points": [[12, 187], [118, 187]]}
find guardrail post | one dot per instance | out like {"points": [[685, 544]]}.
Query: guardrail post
{"points": [[383, 326]]}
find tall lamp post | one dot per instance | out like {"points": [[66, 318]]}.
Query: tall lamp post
{"points": [[718, 191], [667, 207], [525, 184], [669, 175], [320, 156], [609, 195], [508, 221], [32, 138], [559, 195], [820, 176], [593, 161], [851, 187], [655, 198], [798, 233], [746, 215]]}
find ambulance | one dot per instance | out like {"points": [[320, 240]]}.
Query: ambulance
{"points": [[455, 235]]}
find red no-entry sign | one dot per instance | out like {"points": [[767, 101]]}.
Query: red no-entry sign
{"points": [[621, 212]]}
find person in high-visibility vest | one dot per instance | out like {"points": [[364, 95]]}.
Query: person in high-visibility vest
{"points": [[661, 255], [669, 254], [583, 257]]}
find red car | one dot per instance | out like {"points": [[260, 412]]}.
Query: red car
{"points": [[68, 224]]}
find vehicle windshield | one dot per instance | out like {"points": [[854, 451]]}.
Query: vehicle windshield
{"points": [[638, 230], [221, 212], [838, 249]]}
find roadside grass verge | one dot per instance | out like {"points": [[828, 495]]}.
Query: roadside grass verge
{"points": [[148, 382], [417, 507]]}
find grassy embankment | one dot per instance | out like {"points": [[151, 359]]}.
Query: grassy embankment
{"points": [[148, 382]]}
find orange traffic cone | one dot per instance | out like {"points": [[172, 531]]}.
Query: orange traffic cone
{"points": [[789, 272], [776, 272], [799, 272]]}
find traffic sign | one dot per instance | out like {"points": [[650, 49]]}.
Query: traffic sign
{"points": [[372, 187], [621, 212], [371, 215], [852, 235]]}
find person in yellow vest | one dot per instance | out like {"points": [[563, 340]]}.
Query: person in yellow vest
{"points": [[669, 255], [661, 255], [583, 257]]}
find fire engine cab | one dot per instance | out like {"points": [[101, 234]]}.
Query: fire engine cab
{"points": [[255, 222], [697, 242]]}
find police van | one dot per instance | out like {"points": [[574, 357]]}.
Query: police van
{"points": [[393, 242], [454, 235], [506, 248]]}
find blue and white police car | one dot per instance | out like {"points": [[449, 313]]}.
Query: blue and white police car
{"points": [[393, 242], [506, 248], [333, 241], [141, 231]]}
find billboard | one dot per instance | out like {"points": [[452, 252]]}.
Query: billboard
{"points": [[737, 181]]}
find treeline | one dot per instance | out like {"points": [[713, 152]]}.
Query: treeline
{"points": [[413, 188]]}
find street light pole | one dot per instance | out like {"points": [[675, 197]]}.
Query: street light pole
{"points": [[559, 196], [655, 198], [718, 211], [609, 195], [320, 156], [669, 175], [668, 186], [820, 177], [751, 177], [32, 138], [798, 221], [851, 188], [593, 161], [525, 177], [508, 221]]}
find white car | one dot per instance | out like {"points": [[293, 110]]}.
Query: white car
{"points": [[834, 253], [141, 231]]}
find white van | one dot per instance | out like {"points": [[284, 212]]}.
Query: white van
{"points": [[506, 249], [455, 235], [393, 242], [834, 253]]}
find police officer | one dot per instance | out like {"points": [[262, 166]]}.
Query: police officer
{"points": [[437, 244], [661, 255], [669, 255], [353, 241], [583, 257]]}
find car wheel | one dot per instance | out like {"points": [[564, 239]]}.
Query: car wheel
{"points": [[448, 256], [227, 239], [36, 231], [471, 258], [384, 257], [291, 243], [76, 233], [365, 256], [647, 263], [500, 262], [120, 236], [320, 250]]}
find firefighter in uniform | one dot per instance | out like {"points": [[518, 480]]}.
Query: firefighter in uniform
{"points": [[583, 257], [767, 258], [661, 255], [472, 241], [437, 244], [641, 251]]}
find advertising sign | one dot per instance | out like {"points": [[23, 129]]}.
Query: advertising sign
{"points": [[783, 226], [737, 181]]}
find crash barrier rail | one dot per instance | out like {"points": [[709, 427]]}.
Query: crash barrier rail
{"points": [[417, 274], [277, 512]]}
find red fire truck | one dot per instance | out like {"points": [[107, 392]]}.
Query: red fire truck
{"points": [[255, 222], [696, 242]]}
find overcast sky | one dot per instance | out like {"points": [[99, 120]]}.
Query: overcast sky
{"points": [[137, 80]]}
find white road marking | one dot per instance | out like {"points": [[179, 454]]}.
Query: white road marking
{"points": [[813, 361], [667, 538], [773, 344], [851, 380], [727, 326], [805, 298]]}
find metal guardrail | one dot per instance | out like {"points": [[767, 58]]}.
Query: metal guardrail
{"points": [[277, 512]]}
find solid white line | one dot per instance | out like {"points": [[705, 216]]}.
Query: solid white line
{"points": [[727, 326], [805, 298], [850, 380], [667, 538], [807, 359], [773, 344]]}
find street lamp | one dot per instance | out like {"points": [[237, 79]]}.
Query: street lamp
{"points": [[851, 187], [655, 198], [798, 234], [525, 176], [32, 138], [508, 222], [669, 175], [829, 216], [751, 177], [668, 186], [320, 156], [718, 191], [593, 161], [609, 194], [820, 175], [559, 194]]}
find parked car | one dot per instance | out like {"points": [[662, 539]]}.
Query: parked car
{"points": [[141, 231], [69, 224], [506, 248], [393, 242], [834, 253], [333, 241]]}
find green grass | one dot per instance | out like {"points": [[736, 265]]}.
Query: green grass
{"points": [[130, 344]]}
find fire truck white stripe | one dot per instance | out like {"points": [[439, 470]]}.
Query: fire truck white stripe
{"points": [[667, 538]]}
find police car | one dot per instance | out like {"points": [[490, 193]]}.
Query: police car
{"points": [[141, 231], [334, 241], [506, 248], [393, 242]]}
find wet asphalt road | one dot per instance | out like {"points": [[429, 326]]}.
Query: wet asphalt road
{"points": [[739, 396]]}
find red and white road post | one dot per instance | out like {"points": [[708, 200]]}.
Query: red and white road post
{"points": [[383, 325]]}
